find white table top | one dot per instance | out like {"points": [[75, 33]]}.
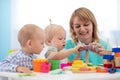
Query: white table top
{"points": [[72, 76]]}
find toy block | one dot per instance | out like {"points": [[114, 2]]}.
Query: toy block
{"points": [[107, 65], [55, 64], [111, 70], [36, 65], [108, 57], [102, 69], [117, 54], [45, 67], [62, 65], [116, 49], [78, 62]]}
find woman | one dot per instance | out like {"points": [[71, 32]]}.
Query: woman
{"points": [[83, 28]]}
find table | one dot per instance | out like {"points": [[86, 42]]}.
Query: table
{"points": [[72, 76]]}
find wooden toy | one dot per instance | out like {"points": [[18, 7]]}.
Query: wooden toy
{"points": [[117, 57]]}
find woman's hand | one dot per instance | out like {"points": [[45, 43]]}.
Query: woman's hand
{"points": [[98, 48], [79, 48]]}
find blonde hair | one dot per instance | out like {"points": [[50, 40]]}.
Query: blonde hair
{"points": [[27, 32], [51, 30], [84, 14]]}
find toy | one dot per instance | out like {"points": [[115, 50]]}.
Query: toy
{"points": [[79, 66], [117, 56], [41, 65], [108, 60], [55, 64], [26, 74]]}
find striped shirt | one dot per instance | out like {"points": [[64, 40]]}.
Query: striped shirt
{"points": [[19, 58]]}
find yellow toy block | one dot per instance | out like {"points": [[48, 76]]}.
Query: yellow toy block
{"points": [[78, 62]]}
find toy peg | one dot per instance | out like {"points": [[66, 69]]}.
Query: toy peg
{"points": [[87, 57], [50, 21], [107, 51], [116, 42]]}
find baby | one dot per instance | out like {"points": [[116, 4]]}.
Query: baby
{"points": [[31, 39], [55, 40]]}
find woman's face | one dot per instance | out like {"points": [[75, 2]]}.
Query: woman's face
{"points": [[83, 29]]}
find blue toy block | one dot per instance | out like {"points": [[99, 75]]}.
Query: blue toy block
{"points": [[111, 70], [108, 57], [115, 49]]}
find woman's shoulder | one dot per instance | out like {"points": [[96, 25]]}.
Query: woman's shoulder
{"points": [[103, 43]]}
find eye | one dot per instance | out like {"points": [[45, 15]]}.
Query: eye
{"points": [[86, 24], [60, 38], [76, 26]]}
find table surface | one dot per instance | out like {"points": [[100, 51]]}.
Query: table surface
{"points": [[69, 76]]}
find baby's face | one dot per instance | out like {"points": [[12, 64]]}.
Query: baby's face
{"points": [[38, 43], [58, 40]]}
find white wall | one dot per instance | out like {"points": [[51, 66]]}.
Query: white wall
{"points": [[40, 11]]}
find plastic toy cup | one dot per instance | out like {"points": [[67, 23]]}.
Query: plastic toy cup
{"points": [[45, 67], [62, 65], [55, 64], [36, 65]]}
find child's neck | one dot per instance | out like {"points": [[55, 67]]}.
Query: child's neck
{"points": [[27, 51]]}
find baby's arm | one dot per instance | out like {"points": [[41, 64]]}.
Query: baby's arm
{"points": [[62, 54], [8, 67], [23, 69], [81, 47]]}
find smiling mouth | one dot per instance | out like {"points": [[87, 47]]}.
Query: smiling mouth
{"points": [[83, 34], [63, 45]]}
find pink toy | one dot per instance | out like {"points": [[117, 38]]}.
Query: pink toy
{"points": [[45, 67], [62, 65]]}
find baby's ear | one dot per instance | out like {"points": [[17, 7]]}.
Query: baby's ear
{"points": [[29, 43]]}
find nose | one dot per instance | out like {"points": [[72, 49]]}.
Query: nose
{"points": [[64, 41], [82, 28]]}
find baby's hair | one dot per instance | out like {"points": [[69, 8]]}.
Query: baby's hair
{"points": [[27, 32], [51, 30]]}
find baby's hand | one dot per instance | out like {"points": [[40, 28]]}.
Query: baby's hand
{"points": [[79, 48], [98, 48], [23, 69]]}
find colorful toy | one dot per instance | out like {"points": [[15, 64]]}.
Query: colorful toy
{"points": [[102, 69], [111, 70], [117, 56], [108, 60], [57, 71], [55, 64], [12, 51], [79, 66], [41, 65], [26, 74]]}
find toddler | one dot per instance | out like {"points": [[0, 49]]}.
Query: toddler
{"points": [[31, 39]]}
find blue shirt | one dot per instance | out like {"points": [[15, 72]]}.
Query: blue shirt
{"points": [[19, 58], [94, 58]]}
